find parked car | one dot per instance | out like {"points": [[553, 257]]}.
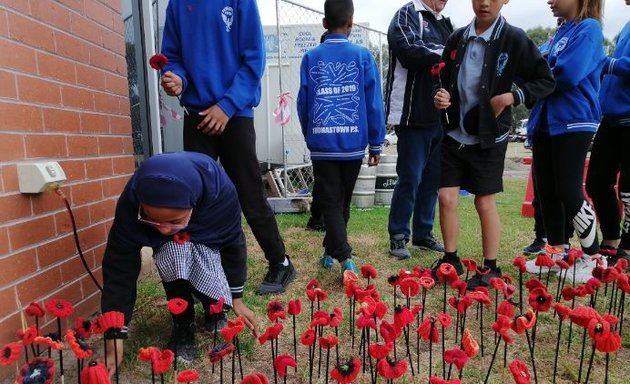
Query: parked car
{"points": [[519, 134]]}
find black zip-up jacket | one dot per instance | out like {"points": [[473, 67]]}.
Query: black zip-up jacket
{"points": [[414, 47], [512, 63]]}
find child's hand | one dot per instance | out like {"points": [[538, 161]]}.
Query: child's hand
{"points": [[240, 309], [171, 83], [214, 121], [373, 160], [500, 102], [442, 99]]}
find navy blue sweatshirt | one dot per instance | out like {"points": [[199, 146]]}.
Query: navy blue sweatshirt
{"points": [[217, 48]]}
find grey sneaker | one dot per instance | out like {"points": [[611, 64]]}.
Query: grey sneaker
{"points": [[398, 247], [429, 243], [182, 342], [277, 279]]}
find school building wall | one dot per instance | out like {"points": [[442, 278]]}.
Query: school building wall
{"points": [[63, 97]]}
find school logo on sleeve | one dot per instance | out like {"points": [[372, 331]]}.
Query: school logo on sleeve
{"points": [[560, 45], [502, 63], [227, 14]]}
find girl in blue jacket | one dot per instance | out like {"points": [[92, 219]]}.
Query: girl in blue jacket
{"points": [[562, 126], [610, 157]]}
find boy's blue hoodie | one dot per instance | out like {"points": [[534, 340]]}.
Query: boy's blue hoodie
{"points": [[575, 57], [218, 49], [340, 104], [615, 93]]}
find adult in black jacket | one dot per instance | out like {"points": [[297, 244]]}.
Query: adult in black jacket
{"points": [[416, 39]]}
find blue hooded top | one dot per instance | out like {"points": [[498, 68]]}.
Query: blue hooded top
{"points": [[575, 57], [615, 92], [218, 49], [172, 180]]}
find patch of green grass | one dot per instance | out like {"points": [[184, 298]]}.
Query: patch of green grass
{"points": [[367, 231]]}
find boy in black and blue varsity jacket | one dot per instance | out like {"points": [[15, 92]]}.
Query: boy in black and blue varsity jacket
{"points": [[561, 127], [610, 157], [340, 107], [482, 62]]}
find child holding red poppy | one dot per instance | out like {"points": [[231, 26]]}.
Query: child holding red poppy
{"points": [[483, 61], [167, 194], [341, 111]]}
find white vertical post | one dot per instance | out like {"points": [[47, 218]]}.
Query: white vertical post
{"points": [[284, 141], [152, 76]]}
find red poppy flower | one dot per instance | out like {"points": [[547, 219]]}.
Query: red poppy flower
{"points": [[380, 350], [469, 344], [573, 255], [59, 308], [437, 68], [540, 300], [545, 261], [28, 335], [47, 340], [34, 310], [147, 354], [460, 286], [232, 329], [349, 278], [497, 283], [328, 342], [428, 330], [593, 284], [282, 362], [321, 319], [275, 310], [524, 322], [368, 271], [506, 308], [181, 238], [271, 333], [520, 372], [391, 369], [453, 54], [562, 264], [187, 376], [350, 290], [439, 380], [470, 264], [217, 307], [335, 318], [294, 307], [39, 370], [457, 357], [346, 372], [316, 294], [177, 306], [158, 61], [561, 310], [380, 310], [402, 316], [83, 327], [623, 282], [509, 290], [621, 265], [421, 272], [308, 337], [409, 287], [388, 331], [78, 345], [446, 273], [610, 275], [582, 316], [313, 283], [393, 280], [427, 282], [10, 353], [108, 320], [365, 321], [568, 293], [480, 297], [444, 319], [161, 361], [416, 309], [519, 263], [502, 327], [255, 378], [220, 351], [95, 373], [534, 283]]}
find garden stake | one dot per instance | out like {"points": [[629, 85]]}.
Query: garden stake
{"points": [[555, 362], [406, 333], [238, 351], [606, 371], [294, 344], [481, 326], [494, 354], [115, 359], [327, 363], [431, 350], [336, 345], [505, 355], [590, 364], [221, 369], [531, 354], [443, 349], [520, 290], [582, 355], [61, 351], [571, 323]]}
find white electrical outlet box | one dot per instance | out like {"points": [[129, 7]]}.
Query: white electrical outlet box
{"points": [[38, 176]]}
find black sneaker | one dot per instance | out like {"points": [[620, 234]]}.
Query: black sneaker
{"points": [[459, 267], [479, 280], [277, 279], [214, 323], [535, 247], [430, 243], [621, 254], [314, 224], [182, 342]]}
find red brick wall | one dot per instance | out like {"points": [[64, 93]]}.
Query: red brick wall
{"points": [[63, 97]]}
